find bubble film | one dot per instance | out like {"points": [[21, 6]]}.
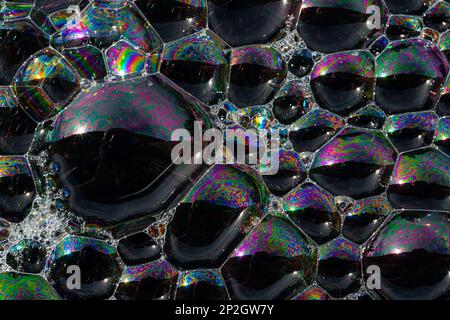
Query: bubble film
{"points": [[88, 61], [155, 280], [331, 117], [97, 261], [339, 267], [402, 27], [330, 26], [406, 67], [123, 59], [343, 82], [200, 64], [356, 163], [293, 101], [314, 129], [364, 219], [278, 242], [411, 131], [442, 139], [313, 293], [234, 198], [314, 211], [412, 252], [257, 73], [16, 286], [421, 181], [201, 284]]}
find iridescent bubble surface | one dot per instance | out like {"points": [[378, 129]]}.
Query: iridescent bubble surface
{"points": [[356, 163], [364, 219], [343, 82], [17, 286], [200, 64], [151, 281], [275, 242], [438, 17], [314, 129], [291, 173], [339, 267], [117, 125], [257, 73], [45, 84], [402, 27], [88, 61], [102, 23], [330, 26], [201, 285], [98, 264], [421, 181], [442, 139], [313, 293], [214, 217], [411, 131], [412, 251], [410, 74], [123, 59], [314, 211]]}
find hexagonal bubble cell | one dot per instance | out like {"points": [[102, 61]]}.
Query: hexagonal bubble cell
{"points": [[438, 17], [411, 131], [102, 23], [124, 60], [174, 19], [411, 253], [293, 101], [200, 64], [215, 216], [272, 262], [113, 147], [364, 219], [403, 27], [330, 26], [314, 129], [314, 211], [151, 281], [257, 73], [17, 189], [339, 269], [45, 84], [87, 61], [290, 174], [344, 82], [357, 163], [410, 74], [251, 22], [96, 263], [420, 181]]}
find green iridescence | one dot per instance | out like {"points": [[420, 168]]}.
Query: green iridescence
{"points": [[16, 286]]}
